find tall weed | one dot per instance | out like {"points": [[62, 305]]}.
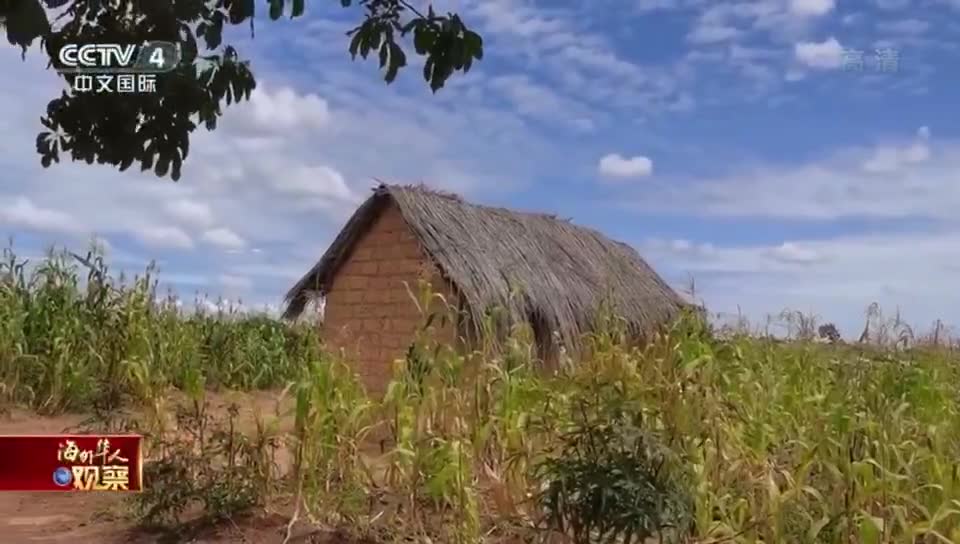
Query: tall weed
{"points": [[72, 336]]}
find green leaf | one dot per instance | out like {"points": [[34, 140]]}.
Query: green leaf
{"points": [[236, 88], [249, 84], [474, 44], [189, 45], [163, 165], [370, 37], [276, 9], [24, 21], [214, 33], [298, 8], [384, 56], [871, 529], [428, 69], [423, 39], [355, 44], [147, 162], [175, 171], [398, 59]]}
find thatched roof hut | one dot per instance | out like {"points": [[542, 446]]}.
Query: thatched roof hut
{"points": [[560, 272]]}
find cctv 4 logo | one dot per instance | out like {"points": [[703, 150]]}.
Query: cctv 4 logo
{"points": [[114, 57]]}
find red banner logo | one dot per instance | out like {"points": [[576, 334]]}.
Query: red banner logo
{"points": [[71, 462]]}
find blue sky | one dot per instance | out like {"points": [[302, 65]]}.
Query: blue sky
{"points": [[732, 142]]}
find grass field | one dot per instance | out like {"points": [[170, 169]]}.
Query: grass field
{"points": [[699, 437]]}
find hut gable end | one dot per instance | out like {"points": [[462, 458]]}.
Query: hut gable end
{"points": [[368, 310], [387, 250]]}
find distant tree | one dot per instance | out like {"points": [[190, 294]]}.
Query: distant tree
{"points": [[829, 333], [154, 129]]}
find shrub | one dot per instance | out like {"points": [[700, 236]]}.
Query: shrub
{"points": [[610, 480], [209, 463]]}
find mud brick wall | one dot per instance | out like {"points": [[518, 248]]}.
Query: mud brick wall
{"points": [[369, 312]]}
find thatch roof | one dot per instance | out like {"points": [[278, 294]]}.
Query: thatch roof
{"points": [[561, 271]]}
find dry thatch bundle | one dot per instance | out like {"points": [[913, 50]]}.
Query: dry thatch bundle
{"points": [[560, 273]]}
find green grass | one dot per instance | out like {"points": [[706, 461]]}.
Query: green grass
{"points": [[72, 336], [701, 438]]}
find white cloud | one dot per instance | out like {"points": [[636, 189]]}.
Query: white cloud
{"points": [[617, 166], [835, 278], [741, 53], [644, 6], [504, 16], [685, 102], [206, 305], [580, 66], [102, 244], [904, 26], [911, 178], [160, 237], [851, 19], [712, 33], [541, 102], [794, 74], [892, 159], [892, 4], [235, 282], [22, 212], [827, 54], [287, 272], [679, 246], [285, 109], [783, 21], [599, 59], [811, 7], [190, 212], [225, 238], [793, 253], [313, 181], [182, 279]]}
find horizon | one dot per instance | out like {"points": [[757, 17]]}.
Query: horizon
{"points": [[781, 321]]}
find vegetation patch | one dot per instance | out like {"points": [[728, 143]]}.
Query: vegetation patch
{"points": [[695, 437]]}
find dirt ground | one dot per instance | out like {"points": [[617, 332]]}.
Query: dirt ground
{"points": [[100, 517]]}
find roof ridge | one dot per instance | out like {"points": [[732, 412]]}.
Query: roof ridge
{"points": [[423, 188], [487, 251]]}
